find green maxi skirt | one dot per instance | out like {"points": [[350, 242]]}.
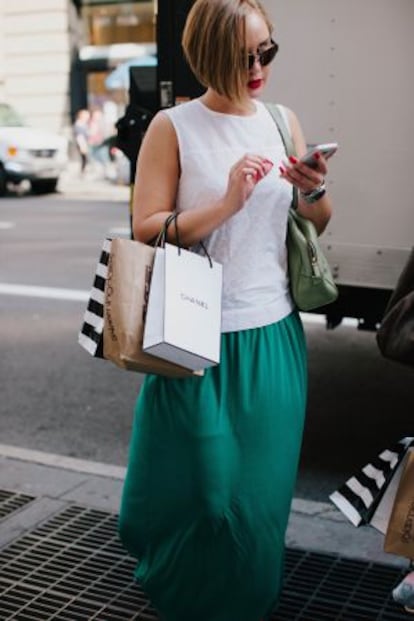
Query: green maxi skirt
{"points": [[210, 479]]}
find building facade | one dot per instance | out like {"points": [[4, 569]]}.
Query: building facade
{"points": [[55, 55]]}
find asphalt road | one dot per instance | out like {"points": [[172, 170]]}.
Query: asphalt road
{"points": [[55, 398]]}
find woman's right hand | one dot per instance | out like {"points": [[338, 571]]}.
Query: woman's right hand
{"points": [[243, 177]]}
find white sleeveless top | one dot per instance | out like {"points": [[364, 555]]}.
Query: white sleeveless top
{"points": [[251, 244]]}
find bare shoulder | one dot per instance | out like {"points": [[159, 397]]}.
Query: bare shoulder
{"points": [[161, 129]]}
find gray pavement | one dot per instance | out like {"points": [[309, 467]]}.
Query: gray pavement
{"points": [[56, 482], [95, 184]]}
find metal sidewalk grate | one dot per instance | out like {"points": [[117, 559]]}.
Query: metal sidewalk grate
{"points": [[73, 568], [325, 587], [12, 501]]}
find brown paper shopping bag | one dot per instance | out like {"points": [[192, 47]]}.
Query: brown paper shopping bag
{"points": [[399, 538], [126, 293]]}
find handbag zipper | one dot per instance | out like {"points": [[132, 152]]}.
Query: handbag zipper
{"points": [[313, 257]]}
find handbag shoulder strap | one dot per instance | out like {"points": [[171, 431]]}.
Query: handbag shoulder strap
{"points": [[284, 132], [276, 113]]}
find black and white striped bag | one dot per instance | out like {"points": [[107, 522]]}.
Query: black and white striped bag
{"points": [[359, 497], [90, 336]]}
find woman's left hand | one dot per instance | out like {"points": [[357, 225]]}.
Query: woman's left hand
{"points": [[305, 178], [309, 180], [314, 202]]}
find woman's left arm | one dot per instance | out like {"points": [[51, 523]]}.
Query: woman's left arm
{"points": [[307, 179]]}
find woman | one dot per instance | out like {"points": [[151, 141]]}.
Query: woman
{"points": [[213, 460]]}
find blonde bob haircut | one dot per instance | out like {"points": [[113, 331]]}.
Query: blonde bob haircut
{"points": [[214, 43]]}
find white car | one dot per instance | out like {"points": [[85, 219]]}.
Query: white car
{"points": [[28, 153]]}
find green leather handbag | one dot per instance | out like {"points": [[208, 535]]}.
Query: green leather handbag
{"points": [[311, 282]]}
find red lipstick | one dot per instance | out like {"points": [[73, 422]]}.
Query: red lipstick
{"points": [[254, 84]]}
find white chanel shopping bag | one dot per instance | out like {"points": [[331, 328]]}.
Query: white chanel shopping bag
{"points": [[183, 322]]}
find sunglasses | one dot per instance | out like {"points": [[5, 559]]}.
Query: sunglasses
{"points": [[265, 57]]}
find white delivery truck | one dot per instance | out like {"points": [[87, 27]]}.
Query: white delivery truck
{"points": [[345, 68]]}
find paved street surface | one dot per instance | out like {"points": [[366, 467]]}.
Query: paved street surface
{"points": [[92, 185], [65, 418]]}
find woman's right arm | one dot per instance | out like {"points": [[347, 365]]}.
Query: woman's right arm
{"points": [[156, 184]]}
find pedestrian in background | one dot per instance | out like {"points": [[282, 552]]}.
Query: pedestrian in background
{"points": [[213, 460], [99, 152], [81, 135]]}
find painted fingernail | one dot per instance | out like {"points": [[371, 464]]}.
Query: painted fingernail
{"points": [[292, 159], [282, 170], [317, 156]]}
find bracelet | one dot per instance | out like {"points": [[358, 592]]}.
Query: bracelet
{"points": [[314, 195]]}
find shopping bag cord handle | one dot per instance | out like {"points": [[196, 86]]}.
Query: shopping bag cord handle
{"points": [[162, 236]]}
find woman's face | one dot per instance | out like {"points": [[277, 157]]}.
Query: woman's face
{"points": [[257, 39]]}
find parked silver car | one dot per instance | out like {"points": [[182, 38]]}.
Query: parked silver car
{"points": [[29, 153]]}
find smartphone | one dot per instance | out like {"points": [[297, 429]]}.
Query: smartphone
{"points": [[327, 151]]}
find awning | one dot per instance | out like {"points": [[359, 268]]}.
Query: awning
{"points": [[119, 77], [109, 56]]}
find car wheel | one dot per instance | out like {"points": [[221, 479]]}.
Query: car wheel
{"points": [[44, 186], [3, 181]]}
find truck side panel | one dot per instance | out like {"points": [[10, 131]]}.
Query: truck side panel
{"points": [[345, 68]]}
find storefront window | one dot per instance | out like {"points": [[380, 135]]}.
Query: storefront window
{"points": [[111, 26], [119, 22]]}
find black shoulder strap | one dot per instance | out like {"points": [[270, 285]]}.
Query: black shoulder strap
{"points": [[286, 137]]}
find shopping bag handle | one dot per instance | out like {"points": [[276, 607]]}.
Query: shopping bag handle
{"points": [[160, 240], [162, 236], [206, 253]]}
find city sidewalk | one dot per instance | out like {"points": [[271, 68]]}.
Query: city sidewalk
{"points": [[56, 482], [61, 558], [95, 184]]}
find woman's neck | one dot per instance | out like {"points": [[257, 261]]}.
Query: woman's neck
{"points": [[219, 103]]}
